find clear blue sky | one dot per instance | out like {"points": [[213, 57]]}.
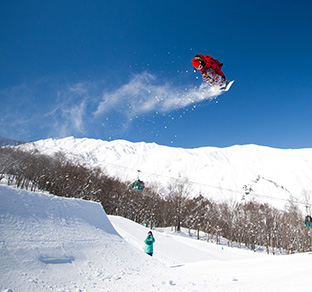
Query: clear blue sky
{"points": [[114, 69]]}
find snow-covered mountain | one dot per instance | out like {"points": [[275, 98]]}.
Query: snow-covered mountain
{"points": [[249, 171]]}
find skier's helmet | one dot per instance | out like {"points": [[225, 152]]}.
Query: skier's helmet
{"points": [[197, 63]]}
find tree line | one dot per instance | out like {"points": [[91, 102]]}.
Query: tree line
{"points": [[249, 224]]}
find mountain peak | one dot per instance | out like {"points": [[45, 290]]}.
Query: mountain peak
{"points": [[221, 173]]}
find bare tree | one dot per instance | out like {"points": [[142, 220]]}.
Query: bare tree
{"points": [[178, 194], [307, 200]]}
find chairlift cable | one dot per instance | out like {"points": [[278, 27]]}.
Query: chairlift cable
{"points": [[191, 182]]}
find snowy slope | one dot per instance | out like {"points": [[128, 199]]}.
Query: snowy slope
{"points": [[50, 243], [274, 175], [176, 250], [224, 268], [57, 244]]}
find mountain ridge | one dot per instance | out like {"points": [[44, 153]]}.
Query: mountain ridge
{"points": [[222, 173]]}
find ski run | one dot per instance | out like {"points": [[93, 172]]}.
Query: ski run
{"points": [[50, 243]]}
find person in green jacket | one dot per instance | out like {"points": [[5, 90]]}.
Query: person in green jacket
{"points": [[149, 241], [308, 221]]}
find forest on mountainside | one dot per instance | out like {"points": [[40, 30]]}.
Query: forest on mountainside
{"points": [[246, 223]]}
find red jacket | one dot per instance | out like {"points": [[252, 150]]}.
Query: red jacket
{"points": [[210, 62]]}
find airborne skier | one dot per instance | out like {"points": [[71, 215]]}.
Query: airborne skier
{"points": [[210, 69]]}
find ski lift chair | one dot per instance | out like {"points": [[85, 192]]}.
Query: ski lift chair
{"points": [[138, 185]]}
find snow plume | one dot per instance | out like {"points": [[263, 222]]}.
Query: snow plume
{"points": [[142, 94], [70, 110], [72, 120], [51, 105], [60, 108]]}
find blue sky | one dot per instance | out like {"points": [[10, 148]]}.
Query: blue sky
{"points": [[122, 70]]}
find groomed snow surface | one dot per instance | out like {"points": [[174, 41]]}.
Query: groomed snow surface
{"points": [[50, 243]]}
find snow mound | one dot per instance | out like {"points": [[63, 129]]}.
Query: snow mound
{"points": [[50, 243]]}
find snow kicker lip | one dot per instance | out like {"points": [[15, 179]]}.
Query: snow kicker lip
{"points": [[56, 260]]}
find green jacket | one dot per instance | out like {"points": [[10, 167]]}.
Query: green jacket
{"points": [[149, 244], [308, 223]]}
